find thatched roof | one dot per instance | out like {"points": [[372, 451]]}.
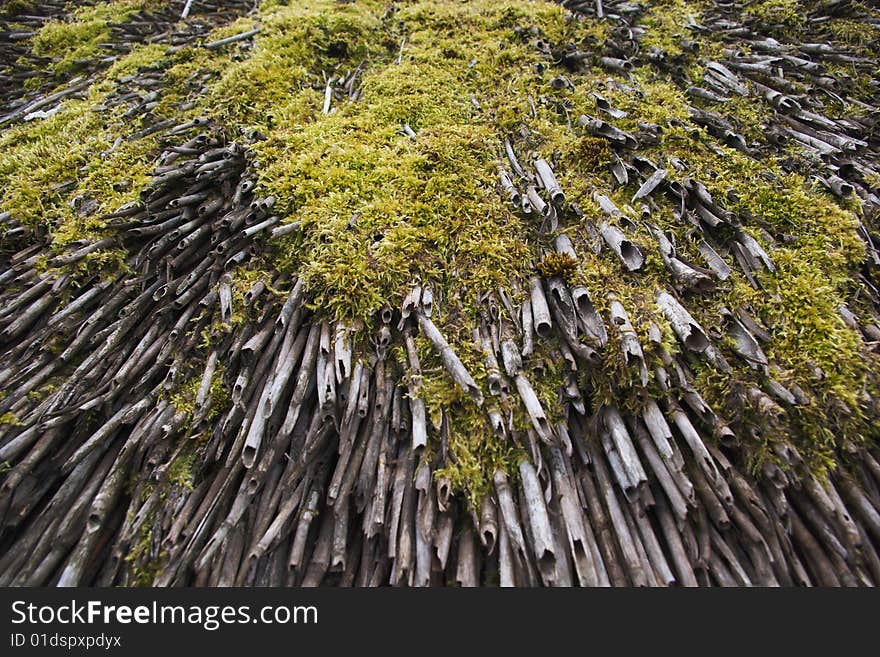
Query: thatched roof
{"points": [[439, 293]]}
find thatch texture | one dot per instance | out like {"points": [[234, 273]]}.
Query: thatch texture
{"points": [[439, 293]]}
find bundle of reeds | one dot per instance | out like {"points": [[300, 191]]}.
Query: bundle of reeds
{"points": [[304, 451]]}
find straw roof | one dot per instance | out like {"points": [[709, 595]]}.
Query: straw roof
{"points": [[437, 293]]}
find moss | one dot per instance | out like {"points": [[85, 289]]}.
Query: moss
{"points": [[853, 32], [559, 264], [43, 391], [184, 396], [74, 145], [71, 43], [666, 23], [812, 345], [13, 8], [180, 472], [10, 419], [35, 158], [799, 302], [142, 57], [85, 153], [473, 451], [783, 13], [750, 118], [585, 155], [377, 208], [142, 567]]}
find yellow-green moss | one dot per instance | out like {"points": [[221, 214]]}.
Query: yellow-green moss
{"points": [[666, 23], [142, 567], [10, 419], [378, 208], [184, 396], [559, 264], [73, 41], [787, 13]]}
